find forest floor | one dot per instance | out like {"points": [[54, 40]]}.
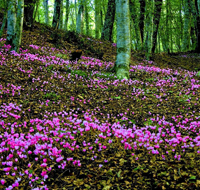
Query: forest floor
{"points": [[73, 125]]}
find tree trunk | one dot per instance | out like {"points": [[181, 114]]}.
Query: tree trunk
{"points": [[61, 15], [4, 19], [163, 39], [134, 16], [186, 37], [123, 39], [179, 28], [19, 25], [167, 27], [46, 11], [87, 19], [67, 14], [109, 21], [56, 14], [36, 10], [197, 5], [28, 13], [97, 18], [79, 18], [156, 21], [148, 29], [141, 22], [75, 10], [11, 22]]}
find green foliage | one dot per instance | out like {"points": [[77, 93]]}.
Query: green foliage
{"points": [[184, 98], [63, 56], [79, 73], [116, 97], [105, 75], [51, 96], [198, 74], [50, 68], [148, 122]]}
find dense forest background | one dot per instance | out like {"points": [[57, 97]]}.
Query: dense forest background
{"points": [[156, 25]]}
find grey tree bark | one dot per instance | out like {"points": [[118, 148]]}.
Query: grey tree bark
{"points": [[11, 22], [123, 39], [19, 25], [109, 21], [15, 23], [79, 17], [46, 11]]}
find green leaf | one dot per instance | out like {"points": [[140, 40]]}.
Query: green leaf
{"points": [[193, 177], [118, 173], [39, 181], [198, 74], [30, 171], [117, 97], [133, 121], [61, 131], [157, 127], [138, 168]]}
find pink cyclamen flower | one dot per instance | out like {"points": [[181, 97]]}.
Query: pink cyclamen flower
{"points": [[43, 173], [7, 169], [2, 181]]}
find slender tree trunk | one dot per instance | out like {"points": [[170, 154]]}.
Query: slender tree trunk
{"points": [[4, 19], [56, 14], [72, 24], [46, 11], [61, 15], [193, 38], [148, 29], [163, 39], [134, 17], [19, 25], [75, 10], [79, 18], [97, 18], [67, 15], [197, 5], [156, 21], [28, 13], [87, 19], [109, 21], [167, 27], [186, 37], [36, 10], [123, 39], [141, 22], [11, 23]]}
